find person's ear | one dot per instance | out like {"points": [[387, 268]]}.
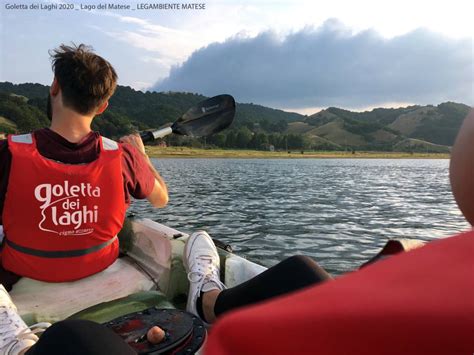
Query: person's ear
{"points": [[55, 88], [102, 108]]}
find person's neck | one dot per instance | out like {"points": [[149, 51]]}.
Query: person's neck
{"points": [[71, 125]]}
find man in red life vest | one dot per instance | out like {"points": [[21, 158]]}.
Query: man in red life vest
{"points": [[64, 190]]}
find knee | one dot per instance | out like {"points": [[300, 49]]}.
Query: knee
{"points": [[306, 265], [70, 329], [78, 337], [302, 260]]}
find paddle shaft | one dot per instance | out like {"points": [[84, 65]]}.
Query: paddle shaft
{"points": [[148, 136], [205, 118]]}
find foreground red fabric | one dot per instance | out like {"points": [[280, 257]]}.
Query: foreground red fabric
{"points": [[420, 302]]}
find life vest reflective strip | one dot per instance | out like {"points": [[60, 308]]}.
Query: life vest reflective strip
{"points": [[59, 253], [61, 220], [23, 138]]}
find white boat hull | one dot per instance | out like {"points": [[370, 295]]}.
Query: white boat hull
{"points": [[154, 262]]}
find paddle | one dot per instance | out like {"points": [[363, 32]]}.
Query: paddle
{"points": [[207, 117]]}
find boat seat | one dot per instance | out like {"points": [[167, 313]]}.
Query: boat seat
{"points": [[39, 301]]}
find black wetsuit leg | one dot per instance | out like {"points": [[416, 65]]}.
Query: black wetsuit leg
{"points": [[8, 278], [287, 276], [79, 337]]}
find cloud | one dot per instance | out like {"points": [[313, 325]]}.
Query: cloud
{"points": [[168, 45], [330, 65]]}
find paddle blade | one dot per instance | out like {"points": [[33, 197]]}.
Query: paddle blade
{"points": [[207, 117]]}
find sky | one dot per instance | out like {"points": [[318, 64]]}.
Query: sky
{"points": [[295, 55]]}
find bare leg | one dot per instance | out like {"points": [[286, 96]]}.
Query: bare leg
{"points": [[208, 304]]}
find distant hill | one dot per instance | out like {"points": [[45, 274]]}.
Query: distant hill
{"points": [[7, 126], [156, 108], [414, 128], [18, 115], [256, 113], [430, 128], [28, 90]]}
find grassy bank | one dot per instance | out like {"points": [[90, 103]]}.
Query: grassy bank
{"points": [[185, 152]]}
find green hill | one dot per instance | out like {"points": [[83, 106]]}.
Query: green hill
{"points": [[28, 90], [19, 115], [153, 109], [426, 128], [413, 128], [7, 126]]}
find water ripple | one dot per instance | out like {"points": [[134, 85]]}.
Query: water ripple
{"points": [[339, 211]]}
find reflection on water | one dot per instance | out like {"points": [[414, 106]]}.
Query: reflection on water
{"points": [[339, 211]]}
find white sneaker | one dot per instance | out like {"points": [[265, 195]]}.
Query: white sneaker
{"points": [[15, 335], [201, 262]]}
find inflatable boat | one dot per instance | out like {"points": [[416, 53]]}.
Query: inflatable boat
{"points": [[148, 277]]}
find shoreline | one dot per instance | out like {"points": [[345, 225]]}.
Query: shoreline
{"points": [[186, 152]]}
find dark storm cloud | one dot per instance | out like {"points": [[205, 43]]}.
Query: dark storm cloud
{"points": [[330, 66]]}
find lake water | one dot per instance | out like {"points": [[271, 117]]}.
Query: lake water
{"points": [[338, 211]]}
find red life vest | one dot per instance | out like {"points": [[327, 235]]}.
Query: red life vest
{"points": [[61, 220], [419, 302]]}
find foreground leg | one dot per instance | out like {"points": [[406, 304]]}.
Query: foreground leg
{"points": [[79, 337], [8, 278], [289, 275], [208, 297]]}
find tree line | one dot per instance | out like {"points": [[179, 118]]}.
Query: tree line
{"points": [[244, 138], [254, 127]]}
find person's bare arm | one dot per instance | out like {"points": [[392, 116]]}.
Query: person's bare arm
{"points": [[462, 168], [159, 195]]}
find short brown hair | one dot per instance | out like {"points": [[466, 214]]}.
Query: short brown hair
{"points": [[86, 79]]}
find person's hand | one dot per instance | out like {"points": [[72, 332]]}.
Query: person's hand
{"points": [[155, 335], [135, 140]]}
